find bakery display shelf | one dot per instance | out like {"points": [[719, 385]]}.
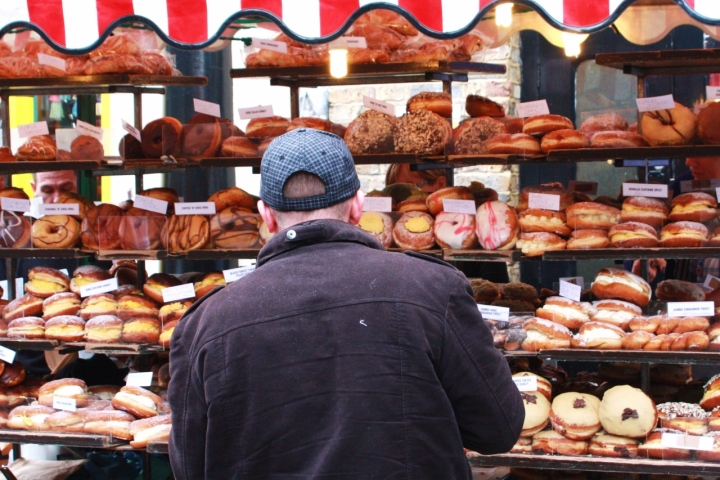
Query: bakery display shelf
{"points": [[598, 154], [116, 348], [663, 62], [43, 253], [493, 159], [57, 438], [7, 168], [157, 447], [595, 464], [632, 356], [631, 253], [370, 73], [132, 254], [63, 84], [28, 344], [437, 253], [508, 256]]}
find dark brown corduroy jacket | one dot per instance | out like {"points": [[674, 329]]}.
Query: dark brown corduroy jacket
{"points": [[335, 359]]}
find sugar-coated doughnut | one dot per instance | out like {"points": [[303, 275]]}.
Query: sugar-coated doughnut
{"points": [[709, 124], [603, 123], [590, 238], [138, 401], [693, 207], [437, 102], [633, 234], [649, 211], [563, 139], [68, 328], [379, 225], [514, 143], [617, 139], [478, 106], [684, 234], [591, 215], [622, 285], [598, 336], [544, 124], [536, 220], [414, 231], [536, 243]]}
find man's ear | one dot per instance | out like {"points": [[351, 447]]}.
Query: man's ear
{"points": [[441, 182], [356, 207], [268, 217]]}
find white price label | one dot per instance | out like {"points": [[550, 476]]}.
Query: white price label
{"points": [[645, 190], [280, 47], [86, 129], [574, 280], [52, 61], [150, 204], [59, 209], [526, 384], [569, 290], [261, 111], [378, 105], [650, 104], [544, 201], [712, 93], [181, 292], [195, 208], [531, 109], [491, 312], [717, 192], [355, 42], [687, 442], [131, 130], [103, 286], [377, 204], [62, 403], [15, 204], [139, 379], [208, 108], [33, 129], [588, 188], [459, 206], [19, 287], [711, 282], [691, 309], [235, 274], [7, 355], [64, 270]]}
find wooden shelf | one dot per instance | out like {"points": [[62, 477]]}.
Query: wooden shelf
{"points": [[116, 348], [58, 438], [595, 464], [632, 356], [43, 253], [599, 154], [663, 62], [20, 344], [120, 83], [507, 256], [631, 253], [157, 447]]}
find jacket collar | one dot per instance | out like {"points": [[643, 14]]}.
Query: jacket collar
{"points": [[314, 232]]}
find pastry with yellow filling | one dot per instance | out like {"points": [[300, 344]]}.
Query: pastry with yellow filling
{"points": [[584, 215], [27, 327], [86, 275], [130, 306], [68, 328], [414, 231], [379, 226], [157, 283], [684, 234], [29, 417], [65, 303], [141, 330], [103, 329], [167, 331], [208, 283], [45, 282], [174, 311], [633, 234], [100, 304], [650, 211], [693, 207]]}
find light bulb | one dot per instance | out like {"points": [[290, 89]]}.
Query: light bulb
{"points": [[338, 63], [571, 42], [503, 15]]}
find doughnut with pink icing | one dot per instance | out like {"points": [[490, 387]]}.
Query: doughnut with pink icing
{"points": [[455, 230], [497, 226]]}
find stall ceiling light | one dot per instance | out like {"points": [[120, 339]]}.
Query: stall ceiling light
{"points": [[572, 42], [503, 15], [338, 62]]}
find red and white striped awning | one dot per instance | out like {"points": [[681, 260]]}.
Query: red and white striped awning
{"points": [[80, 25]]}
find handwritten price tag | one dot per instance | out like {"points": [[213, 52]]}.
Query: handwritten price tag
{"points": [[377, 204], [52, 61], [15, 204], [150, 204], [526, 384], [59, 209], [459, 206], [569, 290], [181, 292], [99, 287], [195, 208], [86, 129], [531, 109], [348, 42], [544, 201], [378, 105], [491, 312], [280, 47], [712, 93], [33, 129], [235, 274], [645, 190], [62, 403], [650, 104], [208, 108], [131, 130], [261, 111], [139, 379]]}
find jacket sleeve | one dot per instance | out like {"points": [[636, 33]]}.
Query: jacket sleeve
{"points": [[188, 436], [476, 377]]}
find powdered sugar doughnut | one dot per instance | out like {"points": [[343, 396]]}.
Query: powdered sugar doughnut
{"points": [[497, 225], [379, 225], [455, 230], [603, 123]]}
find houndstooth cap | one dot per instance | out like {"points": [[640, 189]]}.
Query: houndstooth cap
{"points": [[307, 150]]}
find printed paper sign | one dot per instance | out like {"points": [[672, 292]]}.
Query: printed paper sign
{"points": [[645, 163], [85, 128], [52, 61], [59, 209], [459, 206], [569, 290], [378, 105], [131, 130], [261, 111], [645, 190], [355, 42], [712, 93], [686, 442], [33, 129], [574, 280], [64, 270], [7, 355], [531, 109], [691, 309], [62, 403], [526, 384], [195, 208], [717, 192], [588, 188], [491, 312], [235, 274], [181, 292], [377, 204], [711, 282], [19, 287], [649, 104], [280, 47], [15, 204], [150, 204], [139, 379], [544, 201], [208, 108], [104, 286]]}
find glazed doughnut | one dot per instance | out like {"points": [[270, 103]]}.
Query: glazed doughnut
{"points": [[184, 233], [650, 211], [497, 226], [477, 106], [684, 234], [564, 139], [200, 140], [536, 220], [603, 123], [514, 143], [423, 133], [676, 126], [575, 415], [455, 230], [371, 132], [622, 285], [592, 215], [234, 228], [709, 124], [414, 231], [101, 226], [590, 238], [85, 147], [13, 375], [137, 401], [633, 234], [437, 102], [41, 148], [238, 147], [84, 204], [140, 229], [266, 127], [544, 124], [536, 243], [435, 200], [64, 303], [27, 328], [693, 207], [160, 137], [14, 230], [598, 336], [617, 140], [379, 225], [636, 340], [473, 136], [232, 197]]}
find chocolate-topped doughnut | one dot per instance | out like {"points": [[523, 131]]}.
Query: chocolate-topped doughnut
{"points": [[55, 231], [100, 227], [183, 233], [473, 136], [234, 228], [14, 230]]}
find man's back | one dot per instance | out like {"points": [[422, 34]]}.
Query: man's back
{"points": [[337, 359]]}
